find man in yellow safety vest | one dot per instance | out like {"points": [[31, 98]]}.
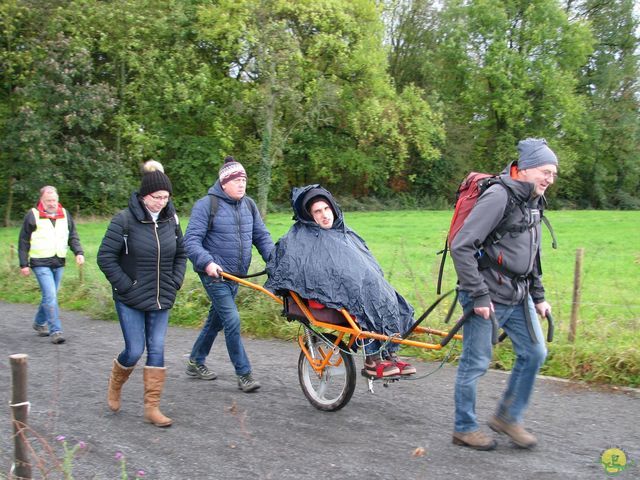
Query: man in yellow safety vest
{"points": [[46, 234]]}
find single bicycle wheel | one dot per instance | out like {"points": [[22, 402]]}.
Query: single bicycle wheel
{"points": [[331, 389]]}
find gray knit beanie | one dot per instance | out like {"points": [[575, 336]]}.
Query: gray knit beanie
{"points": [[534, 152]]}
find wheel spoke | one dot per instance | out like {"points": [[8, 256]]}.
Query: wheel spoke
{"points": [[322, 387], [333, 387]]}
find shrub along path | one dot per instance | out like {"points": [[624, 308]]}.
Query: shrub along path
{"points": [[400, 432]]}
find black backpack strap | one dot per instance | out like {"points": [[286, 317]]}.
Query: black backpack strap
{"points": [[253, 207], [444, 251], [176, 224], [541, 207], [554, 241], [213, 208], [503, 228], [125, 230]]}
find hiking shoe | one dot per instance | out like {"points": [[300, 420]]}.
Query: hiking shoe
{"points": [[41, 330], [200, 370], [405, 367], [247, 384], [374, 366], [515, 431], [476, 440], [57, 338]]}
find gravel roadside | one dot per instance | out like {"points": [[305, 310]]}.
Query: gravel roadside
{"points": [[400, 432]]}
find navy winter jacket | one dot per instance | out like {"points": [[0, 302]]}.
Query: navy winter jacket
{"points": [[228, 243], [145, 269]]}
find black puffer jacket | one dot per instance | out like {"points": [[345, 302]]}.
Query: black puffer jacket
{"points": [[145, 269]]}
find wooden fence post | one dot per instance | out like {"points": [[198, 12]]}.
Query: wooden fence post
{"points": [[20, 411], [577, 287]]}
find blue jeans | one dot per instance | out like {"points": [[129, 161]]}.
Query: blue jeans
{"points": [[477, 353], [223, 315], [141, 329], [49, 280]]}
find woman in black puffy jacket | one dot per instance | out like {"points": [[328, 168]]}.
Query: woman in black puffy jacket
{"points": [[143, 258]]}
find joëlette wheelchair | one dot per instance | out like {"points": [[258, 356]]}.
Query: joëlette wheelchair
{"points": [[326, 366]]}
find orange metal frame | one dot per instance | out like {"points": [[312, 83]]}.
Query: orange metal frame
{"points": [[352, 330]]}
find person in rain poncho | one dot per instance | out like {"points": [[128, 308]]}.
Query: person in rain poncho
{"points": [[327, 263]]}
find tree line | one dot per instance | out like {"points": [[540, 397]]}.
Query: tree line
{"points": [[388, 99]]}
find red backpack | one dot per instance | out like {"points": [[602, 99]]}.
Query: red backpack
{"points": [[474, 185]]}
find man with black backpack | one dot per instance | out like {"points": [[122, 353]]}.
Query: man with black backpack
{"points": [[496, 255], [223, 227]]}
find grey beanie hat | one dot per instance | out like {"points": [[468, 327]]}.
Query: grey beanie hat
{"points": [[534, 152]]}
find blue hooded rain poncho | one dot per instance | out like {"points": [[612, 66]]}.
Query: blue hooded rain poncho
{"points": [[335, 267]]}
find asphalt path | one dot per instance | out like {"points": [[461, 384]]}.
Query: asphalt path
{"points": [[402, 432]]}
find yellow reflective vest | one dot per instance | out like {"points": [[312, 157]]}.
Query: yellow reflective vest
{"points": [[48, 240]]}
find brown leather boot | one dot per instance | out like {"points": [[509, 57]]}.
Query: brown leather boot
{"points": [[154, 378], [119, 375], [515, 431], [476, 440]]}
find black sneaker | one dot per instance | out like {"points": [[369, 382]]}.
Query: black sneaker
{"points": [[247, 384], [57, 338], [200, 370], [41, 330]]}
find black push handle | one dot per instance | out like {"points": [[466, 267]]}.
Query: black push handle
{"points": [[550, 326], [248, 275], [494, 328], [465, 316], [427, 312], [456, 327]]}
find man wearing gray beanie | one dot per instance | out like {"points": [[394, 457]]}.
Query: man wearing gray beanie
{"points": [[496, 254]]}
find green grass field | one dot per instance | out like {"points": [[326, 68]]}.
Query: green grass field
{"points": [[406, 244]]}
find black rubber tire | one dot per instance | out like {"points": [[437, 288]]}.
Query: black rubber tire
{"points": [[335, 387]]}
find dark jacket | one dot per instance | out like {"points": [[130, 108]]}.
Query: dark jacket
{"points": [[229, 242], [517, 252], [335, 267], [24, 242], [145, 262]]}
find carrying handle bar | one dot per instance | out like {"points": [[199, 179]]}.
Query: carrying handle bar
{"points": [[465, 316], [427, 312], [455, 329]]}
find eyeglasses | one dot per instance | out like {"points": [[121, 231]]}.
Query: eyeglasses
{"points": [[161, 198], [548, 174]]}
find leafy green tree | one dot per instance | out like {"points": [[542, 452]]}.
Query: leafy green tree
{"points": [[509, 70], [18, 28], [314, 84], [610, 155], [411, 32], [174, 96], [55, 137]]}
